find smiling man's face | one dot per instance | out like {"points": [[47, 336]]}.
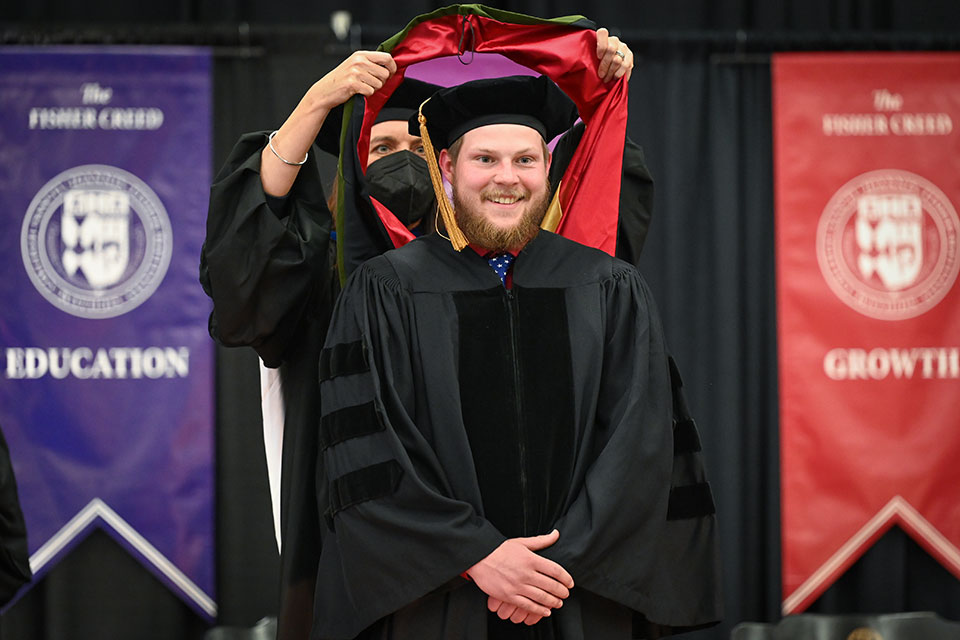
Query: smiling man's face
{"points": [[500, 186]]}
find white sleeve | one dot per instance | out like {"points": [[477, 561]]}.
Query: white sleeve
{"points": [[271, 407]]}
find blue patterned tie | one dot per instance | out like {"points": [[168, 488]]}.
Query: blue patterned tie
{"points": [[501, 264]]}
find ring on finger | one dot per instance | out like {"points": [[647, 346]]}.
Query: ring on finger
{"points": [[622, 55]]}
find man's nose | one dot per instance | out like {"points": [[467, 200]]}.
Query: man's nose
{"points": [[506, 174]]}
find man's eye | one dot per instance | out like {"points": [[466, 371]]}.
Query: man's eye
{"points": [[484, 159], [526, 160], [420, 151], [382, 148]]}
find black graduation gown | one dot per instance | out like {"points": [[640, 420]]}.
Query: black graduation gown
{"points": [[272, 281], [14, 559], [457, 413]]}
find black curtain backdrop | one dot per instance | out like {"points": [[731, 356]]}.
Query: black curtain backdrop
{"points": [[705, 126], [700, 107]]}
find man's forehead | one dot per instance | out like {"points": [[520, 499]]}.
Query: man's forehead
{"points": [[511, 138]]}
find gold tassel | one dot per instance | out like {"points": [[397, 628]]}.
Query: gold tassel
{"points": [[551, 220], [457, 239]]}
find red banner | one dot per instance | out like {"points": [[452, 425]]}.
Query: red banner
{"points": [[867, 161]]}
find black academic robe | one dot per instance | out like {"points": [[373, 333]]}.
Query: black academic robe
{"points": [[270, 273], [271, 276], [457, 414]]}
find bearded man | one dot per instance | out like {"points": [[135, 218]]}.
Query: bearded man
{"points": [[502, 449], [268, 264], [501, 232]]}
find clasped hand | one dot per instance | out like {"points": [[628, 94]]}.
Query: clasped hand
{"points": [[521, 585]]}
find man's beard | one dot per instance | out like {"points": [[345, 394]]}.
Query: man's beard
{"points": [[484, 233]]}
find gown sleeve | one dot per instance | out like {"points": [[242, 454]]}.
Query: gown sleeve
{"points": [[636, 203], [265, 270], [641, 531], [395, 530]]}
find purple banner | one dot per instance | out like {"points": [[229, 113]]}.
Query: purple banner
{"points": [[106, 395]]}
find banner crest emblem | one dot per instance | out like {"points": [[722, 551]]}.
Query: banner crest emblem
{"points": [[887, 244], [96, 241]]}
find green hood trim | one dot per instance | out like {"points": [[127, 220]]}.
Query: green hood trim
{"points": [[487, 12]]}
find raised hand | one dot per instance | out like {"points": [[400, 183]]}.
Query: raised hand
{"points": [[362, 73], [616, 59]]}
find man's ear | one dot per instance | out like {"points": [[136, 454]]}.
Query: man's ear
{"points": [[446, 165]]}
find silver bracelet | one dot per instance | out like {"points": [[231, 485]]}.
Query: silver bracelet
{"points": [[282, 159]]}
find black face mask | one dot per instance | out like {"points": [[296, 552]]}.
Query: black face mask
{"points": [[401, 182]]}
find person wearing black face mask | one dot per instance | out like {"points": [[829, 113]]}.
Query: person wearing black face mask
{"points": [[397, 174], [401, 181], [269, 264]]}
